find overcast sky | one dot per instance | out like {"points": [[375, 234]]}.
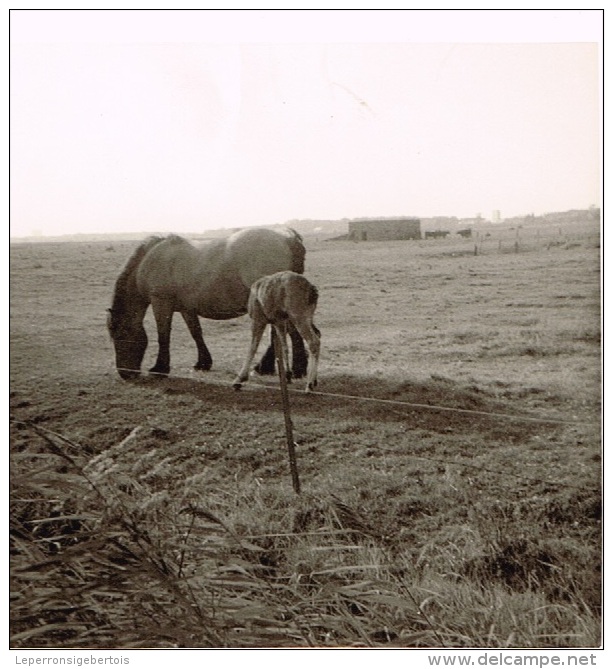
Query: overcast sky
{"points": [[181, 121]]}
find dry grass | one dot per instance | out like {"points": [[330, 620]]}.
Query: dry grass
{"points": [[125, 552], [160, 513]]}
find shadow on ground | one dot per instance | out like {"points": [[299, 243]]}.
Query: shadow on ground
{"points": [[437, 405]]}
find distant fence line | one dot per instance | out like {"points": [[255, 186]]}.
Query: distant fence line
{"points": [[517, 240]]}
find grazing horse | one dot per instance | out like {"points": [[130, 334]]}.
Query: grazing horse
{"points": [[212, 281], [282, 299]]}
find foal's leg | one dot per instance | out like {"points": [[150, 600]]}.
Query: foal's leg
{"points": [[299, 355], [266, 366], [312, 336], [258, 325], [163, 311], [204, 357], [280, 330]]}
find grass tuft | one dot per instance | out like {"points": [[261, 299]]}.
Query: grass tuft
{"points": [[106, 554]]}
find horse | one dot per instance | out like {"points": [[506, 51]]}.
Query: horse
{"points": [[212, 280], [281, 299]]}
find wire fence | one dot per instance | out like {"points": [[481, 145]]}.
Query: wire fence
{"points": [[256, 385], [522, 239], [260, 386]]}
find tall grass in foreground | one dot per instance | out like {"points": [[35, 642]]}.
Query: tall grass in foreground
{"points": [[105, 556]]}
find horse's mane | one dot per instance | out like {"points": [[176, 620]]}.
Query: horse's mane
{"points": [[297, 250], [123, 280], [175, 239]]}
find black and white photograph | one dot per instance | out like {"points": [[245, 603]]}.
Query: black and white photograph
{"points": [[305, 336]]}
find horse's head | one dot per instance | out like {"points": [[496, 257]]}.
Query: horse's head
{"points": [[130, 341]]}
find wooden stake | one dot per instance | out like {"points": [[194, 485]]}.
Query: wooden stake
{"points": [[289, 430]]}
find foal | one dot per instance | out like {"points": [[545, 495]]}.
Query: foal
{"points": [[281, 299]]}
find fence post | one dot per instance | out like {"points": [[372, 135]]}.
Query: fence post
{"points": [[289, 430]]}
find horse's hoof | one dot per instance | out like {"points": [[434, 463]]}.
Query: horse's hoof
{"points": [[237, 386], [128, 374], [158, 372], [202, 368], [263, 370]]}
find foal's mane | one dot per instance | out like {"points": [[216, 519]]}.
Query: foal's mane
{"points": [[124, 280]]}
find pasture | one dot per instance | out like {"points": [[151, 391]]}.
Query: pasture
{"points": [[450, 462]]}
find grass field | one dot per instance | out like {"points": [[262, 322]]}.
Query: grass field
{"points": [[450, 465]]}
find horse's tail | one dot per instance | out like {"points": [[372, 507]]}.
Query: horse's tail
{"points": [[296, 247], [312, 295]]}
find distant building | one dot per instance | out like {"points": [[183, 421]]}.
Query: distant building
{"points": [[496, 216], [382, 229], [439, 223]]}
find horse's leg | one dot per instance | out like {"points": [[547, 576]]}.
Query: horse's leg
{"points": [[299, 355], [312, 336], [204, 357], [281, 331], [258, 325], [266, 366], [162, 311]]}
